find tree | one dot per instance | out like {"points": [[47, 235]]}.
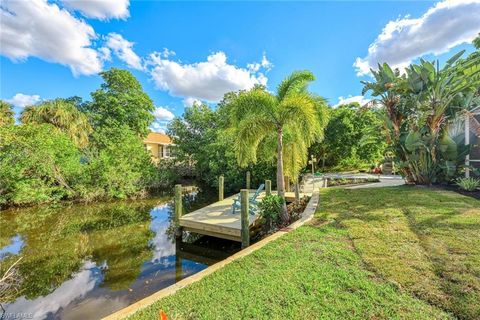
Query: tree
{"points": [[62, 114], [257, 115], [118, 166], [354, 138], [121, 101], [203, 139], [38, 164], [6, 114]]}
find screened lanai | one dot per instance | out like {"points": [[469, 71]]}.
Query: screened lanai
{"points": [[472, 138]]}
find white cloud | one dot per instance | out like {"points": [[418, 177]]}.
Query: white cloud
{"points": [[41, 29], [123, 49], [255, 67], [163, 114], [76, 287], [22, 100], [208, 80], [105, 54], [350, 99], [447, 24], [188, 102], [100, 9], [158, 126]]}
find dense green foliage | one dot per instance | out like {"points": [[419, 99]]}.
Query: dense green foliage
{"points": [[38, 163], [6, 114], [204, 141], [420, 106], [68, 150], [117, 165], [354, 139]]}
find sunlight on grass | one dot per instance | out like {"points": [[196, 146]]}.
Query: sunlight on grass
{"points": [[425, 241]]}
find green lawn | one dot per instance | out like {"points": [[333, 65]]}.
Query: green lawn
{"points": [[396, 253]]}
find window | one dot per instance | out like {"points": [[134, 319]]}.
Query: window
{"points": [[160, 151], [167, 152]]}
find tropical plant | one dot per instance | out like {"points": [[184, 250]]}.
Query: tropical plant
{"points": [[259, 117], [468, 184], [120, 101], [6, 114], [270, 210], [419, 106], [63, 115]]}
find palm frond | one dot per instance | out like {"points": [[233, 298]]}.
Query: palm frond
{"points": [[250, 131], [296, 82], [254, 101], [63, 115], [300, 111]]}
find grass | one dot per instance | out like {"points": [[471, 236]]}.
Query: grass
{"points": [[425, 241], [396, 253]]}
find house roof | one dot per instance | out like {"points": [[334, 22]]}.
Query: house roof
{"points": [[157, 137]]}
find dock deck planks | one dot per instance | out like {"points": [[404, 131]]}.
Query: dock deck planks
{"points": [[218, 221]]}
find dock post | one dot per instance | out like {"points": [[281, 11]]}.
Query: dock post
{"points": [[248, 180], [178, 209], [245, 223], [268, 187], [220, 188]]}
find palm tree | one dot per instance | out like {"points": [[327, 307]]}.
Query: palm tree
{"points": [[260, 117], [62, 114], [6, 114]]}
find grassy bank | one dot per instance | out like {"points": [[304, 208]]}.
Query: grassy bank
{"points": [[399, 253]]}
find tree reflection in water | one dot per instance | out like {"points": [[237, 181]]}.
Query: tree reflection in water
{"points": [[90, 260]]}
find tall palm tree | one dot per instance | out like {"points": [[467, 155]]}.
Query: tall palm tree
{"points": [[6, 114], [259, 116], [62, 114]]}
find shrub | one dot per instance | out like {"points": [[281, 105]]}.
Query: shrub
{"points": [[270, 209], [38, 163], [118, 165], [468, 184]]}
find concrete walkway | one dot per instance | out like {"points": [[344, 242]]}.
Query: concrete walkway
{"points": [[385, 180]]}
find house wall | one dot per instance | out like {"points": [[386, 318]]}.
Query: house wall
{"points": [[154, 149]]}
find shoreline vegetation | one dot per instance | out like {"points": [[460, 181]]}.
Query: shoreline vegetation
{"points": [[386, 254]]}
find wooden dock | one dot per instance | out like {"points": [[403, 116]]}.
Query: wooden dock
{"points": [[217, 219]]}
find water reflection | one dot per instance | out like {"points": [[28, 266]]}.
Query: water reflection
{"points": [[14, 247], [84, 262]]}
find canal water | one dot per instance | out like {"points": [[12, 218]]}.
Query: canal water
{"points": [[87, 261]]}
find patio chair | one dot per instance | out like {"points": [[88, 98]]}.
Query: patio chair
{"points": [[252, 201]]}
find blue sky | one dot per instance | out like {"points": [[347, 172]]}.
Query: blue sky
{"points": [[219, 46]]}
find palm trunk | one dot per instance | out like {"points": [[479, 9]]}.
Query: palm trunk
{"points": [[280, 176]]}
